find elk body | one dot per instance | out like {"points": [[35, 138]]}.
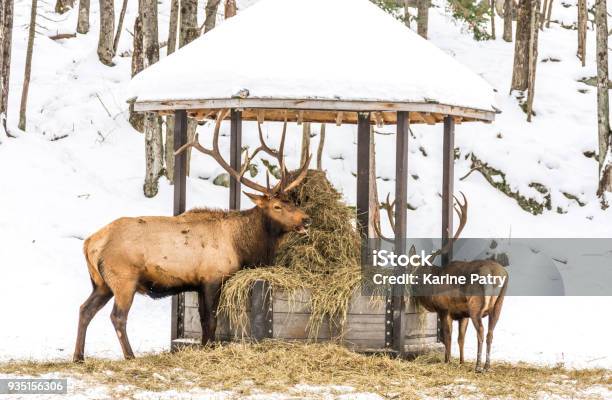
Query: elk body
{"points": [[195, 251], [462, 302]]}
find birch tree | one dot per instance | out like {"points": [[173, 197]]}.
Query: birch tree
{"points": [[582, 31], [83, 17], [152, 122], [603, 102], [107, 31], [28, 67], [508, 10], [212, 7], [6, 31]]}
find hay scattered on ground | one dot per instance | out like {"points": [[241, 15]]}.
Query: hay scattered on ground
{"points": [[275, 366], [325, 263]]}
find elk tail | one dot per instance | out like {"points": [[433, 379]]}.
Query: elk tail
{"points": [[96, 277]]}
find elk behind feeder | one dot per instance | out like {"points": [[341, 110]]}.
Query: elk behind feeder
{"points": [[195, 251]]}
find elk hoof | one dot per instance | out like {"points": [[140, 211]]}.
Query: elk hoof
{"points": [[479, 369], [78, 358]]}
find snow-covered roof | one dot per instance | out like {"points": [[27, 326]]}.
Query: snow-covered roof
{"points": [[326, 52]]}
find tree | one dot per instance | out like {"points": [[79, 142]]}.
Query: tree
{"points": [[211, 14], [492, 13], [61, 6], [406, 14], [533, 56], [137, 119], [120, 26], [582, 31], [28, 67], [169, 144], [6, 31], [422, 17], [603, 102], [320, 148], [526, 51], [83, 19], [230, 8], [508, 11], [305, 150], [107, 31], [154, 154]]}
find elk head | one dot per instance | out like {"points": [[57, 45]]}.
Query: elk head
{"points": [[272, 201]]}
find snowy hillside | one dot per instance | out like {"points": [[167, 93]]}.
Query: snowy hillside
{"points": [[80, 165]]}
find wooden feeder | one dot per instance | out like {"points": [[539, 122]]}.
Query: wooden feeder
{"points": [[289, 60]]}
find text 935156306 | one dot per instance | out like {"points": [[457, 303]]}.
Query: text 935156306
{"points": [[33, 386]]}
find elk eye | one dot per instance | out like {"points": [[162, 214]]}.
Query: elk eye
{"points": [[277, 207]]}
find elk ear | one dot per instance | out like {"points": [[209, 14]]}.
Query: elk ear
{"points": [[259, 201]]}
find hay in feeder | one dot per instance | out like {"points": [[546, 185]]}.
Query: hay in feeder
{"points": [[325, 262]]}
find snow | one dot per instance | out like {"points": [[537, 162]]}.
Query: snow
{"points": [[54, 193], [313, 49]]}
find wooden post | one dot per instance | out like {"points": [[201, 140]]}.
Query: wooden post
{"points": [[261, 311], [401, 194], [448, 164], [235, 157], [363, 181], [180, 184]]}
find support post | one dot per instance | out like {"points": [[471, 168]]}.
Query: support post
{"points": [[448, 174], [235, 157], [180, 185], [363, 182], [401, 199], [261, 311]]}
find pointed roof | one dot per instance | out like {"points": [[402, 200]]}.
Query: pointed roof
{"points": [[315, 54]]}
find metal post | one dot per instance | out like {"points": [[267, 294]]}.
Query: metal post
{"points": [[363, 181], [401, 194], [448, 164], [235, 157], [180, 184], [261, 311]]}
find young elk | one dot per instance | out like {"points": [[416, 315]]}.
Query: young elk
{"points": [[195, 251], [459, 302]]}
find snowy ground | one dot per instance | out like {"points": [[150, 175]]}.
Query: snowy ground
{"points": [[54, 193]]}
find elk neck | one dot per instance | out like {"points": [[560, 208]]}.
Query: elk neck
{"points": [[257, 239]]}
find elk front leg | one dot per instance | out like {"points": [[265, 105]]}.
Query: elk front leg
{"points": [[477, 321], [463, 324], [447, 332], [94, 303], [208, 301], [123, 303]]}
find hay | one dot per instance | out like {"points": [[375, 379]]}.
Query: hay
{"points": [[325, 262]]}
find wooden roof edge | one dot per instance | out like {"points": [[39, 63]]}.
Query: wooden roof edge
{"points": [[321, 105]]}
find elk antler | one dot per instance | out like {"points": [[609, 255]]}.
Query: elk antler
{"points": [[288, 180], [389, 209]]}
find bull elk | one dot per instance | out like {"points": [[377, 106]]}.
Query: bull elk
{"points": [[195, 251], [460, 302]]}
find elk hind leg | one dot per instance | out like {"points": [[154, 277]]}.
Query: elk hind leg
{"points": [[477, 321], [447, 332], [493, 318], [123, 303], [98, 298], [463, 324], [208, 301]]}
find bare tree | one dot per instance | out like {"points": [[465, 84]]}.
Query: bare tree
{"points": [[492, 13], [173, 26], [603, 102], [28, 67], [6, 31], [169, 144], [61, 6], [120, 26], [305, 153], [212, 7], [422, 17], [107, 31], [533, 56], [526, 50], [582, 31], [189, 31], [320, 147], [406, 14], [542, 18], [230, 8], [548, 13], [83, 19], [137, 119], [508, 11], [154, 154]]}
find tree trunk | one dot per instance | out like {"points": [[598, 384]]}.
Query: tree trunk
{"points": [[119, 26], [61, 6], [407, 13], [173, 26], [189, 31], [169, 144], [603, 102], [28, 67], [582, 31], [533, 55], [543, 14], [320, 148], [83, 21], [154, 153], [137, 119], [548, 13], [492, 12], [6, 31], [107, 31], [423, 17], [212, 7], [520, 72], [305, 142], [508, 10], [230, 8]]}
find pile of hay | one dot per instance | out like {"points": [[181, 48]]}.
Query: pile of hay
{"points": [[325, 262]]}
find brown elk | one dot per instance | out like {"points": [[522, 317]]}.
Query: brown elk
{"points": [[460, 302], [195, 251]]}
